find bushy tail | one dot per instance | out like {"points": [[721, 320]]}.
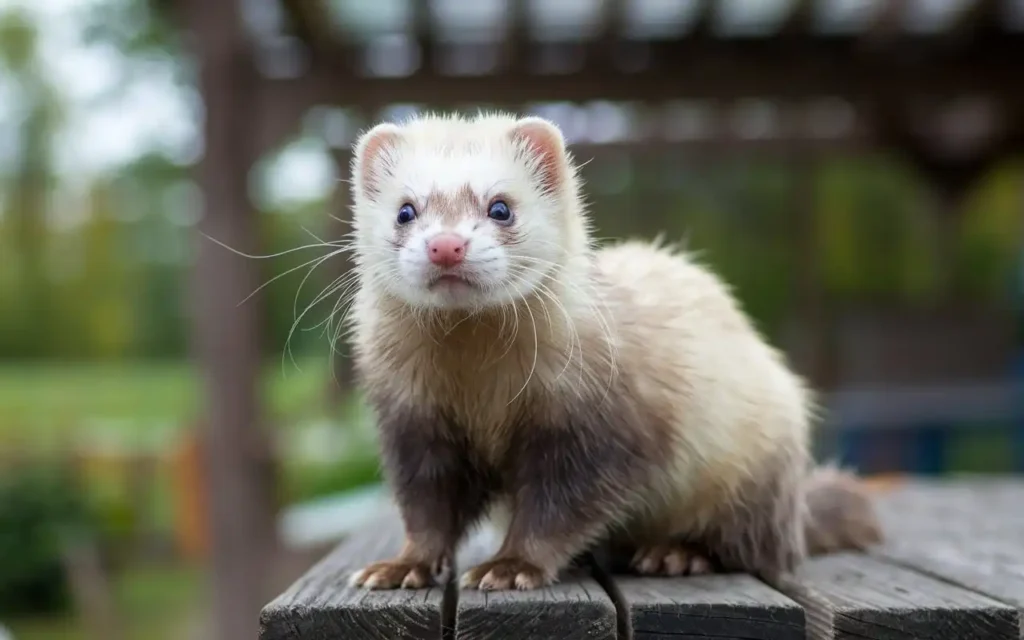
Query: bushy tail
{"points": [[840, 514]]}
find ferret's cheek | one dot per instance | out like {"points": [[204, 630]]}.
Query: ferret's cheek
{"points": [[411, 260], [487, 258]]}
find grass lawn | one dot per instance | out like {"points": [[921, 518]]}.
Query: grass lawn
{"points": [[41, 404], [153, 603], [47, 407]]}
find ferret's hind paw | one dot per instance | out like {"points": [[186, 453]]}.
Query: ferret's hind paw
{"points": [[504, 574], [670, 560], [391, 574]]}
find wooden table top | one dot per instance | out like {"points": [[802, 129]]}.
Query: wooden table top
{"points": [[952, 568]]}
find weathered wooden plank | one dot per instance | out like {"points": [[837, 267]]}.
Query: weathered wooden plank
{"points": [[321, 605], [856, 596], [974, 508], [722, 606], [970, 533], [575, 607]]}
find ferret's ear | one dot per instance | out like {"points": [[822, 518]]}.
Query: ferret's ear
{"points": [[371, 157], [544, 141]]}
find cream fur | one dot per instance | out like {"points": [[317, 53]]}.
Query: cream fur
{"points": [[697, 358], [553, 316]]}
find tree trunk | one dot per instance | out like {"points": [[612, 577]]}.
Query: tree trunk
{"points": [[28, 205], [227, 336]]}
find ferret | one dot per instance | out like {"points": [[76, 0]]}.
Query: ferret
{"points": [[578, 395]]}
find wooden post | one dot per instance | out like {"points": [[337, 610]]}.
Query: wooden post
{"points": [[227, 337]]}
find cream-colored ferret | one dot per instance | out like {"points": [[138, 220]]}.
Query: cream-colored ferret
{"points": [[616, 394]]}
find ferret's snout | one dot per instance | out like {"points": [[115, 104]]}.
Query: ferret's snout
{"points": [[447, 249]]}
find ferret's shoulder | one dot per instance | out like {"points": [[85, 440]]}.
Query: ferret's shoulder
{"points": [[657, 272]]}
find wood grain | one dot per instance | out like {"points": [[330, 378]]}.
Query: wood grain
{"points": [[321, 605], [575, 607], [722, 606], [857, 596], [970, 533]]}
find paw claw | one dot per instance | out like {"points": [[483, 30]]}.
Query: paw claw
{"points": [[505, 574], [392, 574], [357, 578], [670, 560]]}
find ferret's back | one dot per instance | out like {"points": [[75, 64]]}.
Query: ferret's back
{"points": [[691, 346], [657, 285]]}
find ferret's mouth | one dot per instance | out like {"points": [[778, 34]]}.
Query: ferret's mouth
{"points": [[447, 280]]}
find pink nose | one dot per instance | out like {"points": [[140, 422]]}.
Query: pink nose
{"points": [[446, 249]]}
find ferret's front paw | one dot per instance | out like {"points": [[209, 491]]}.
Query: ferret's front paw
{"points": [[505, 573], [390, 574], [670, 560]]}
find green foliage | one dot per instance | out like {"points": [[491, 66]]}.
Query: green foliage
{"points": [[872, 227], [153, 603], [306, 482], [48, 405], [143, 32], [992, 230], [18, 38], [39, 511]]}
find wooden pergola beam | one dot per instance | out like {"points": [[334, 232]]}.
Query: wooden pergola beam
{"points": [[310, 22], [798, 22], [887, 23], [681, 73], [976, 19], [514, 47], [704, 22], [424, 35], [607, 40]]}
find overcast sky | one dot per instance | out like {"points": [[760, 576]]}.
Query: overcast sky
{"points": [[151, 113]]}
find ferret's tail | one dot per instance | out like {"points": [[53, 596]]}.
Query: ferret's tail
{"points": [[840, 515]]}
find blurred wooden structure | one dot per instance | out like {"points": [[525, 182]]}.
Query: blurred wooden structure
{"points": [[936, 82]]}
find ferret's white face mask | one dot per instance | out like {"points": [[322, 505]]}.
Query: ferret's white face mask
{"points": [[453, 214]]}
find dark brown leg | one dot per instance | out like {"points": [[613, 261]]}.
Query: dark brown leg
{"points": [[441, 489], [568, 484]]}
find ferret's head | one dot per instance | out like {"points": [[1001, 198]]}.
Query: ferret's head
{"points": [[464, 214]]}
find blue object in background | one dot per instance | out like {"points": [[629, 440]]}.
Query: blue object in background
{"points": [[929, 449]]}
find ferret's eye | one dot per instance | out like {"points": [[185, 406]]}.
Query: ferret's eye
{"points": [[499, 212], [406, 214]]}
